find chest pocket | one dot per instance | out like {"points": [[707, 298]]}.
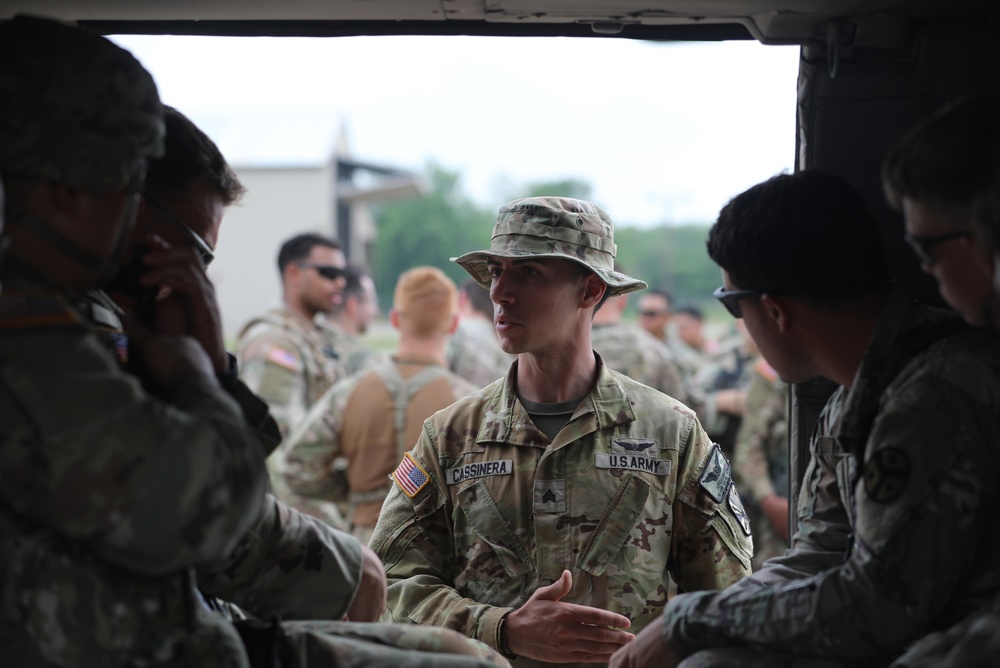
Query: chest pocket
{"points": [[490, 527], [616, 525]]}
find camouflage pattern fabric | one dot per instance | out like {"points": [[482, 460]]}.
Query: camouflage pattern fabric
{"points": [[485, 509], [728, 369], [760, 459], [903, 481], [288, 564], [474, 352], [95, 572], [284, 359], [348, 645], [77, 109], [558, 227], [353, 422], [690, 359], [353, 354], [972, 643], [630, 350]]}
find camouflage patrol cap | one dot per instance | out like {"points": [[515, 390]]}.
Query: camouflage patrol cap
{"points": [[74, 107], [557, 227]]}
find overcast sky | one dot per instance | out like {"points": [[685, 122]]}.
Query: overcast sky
{"points": [[665, 133]]}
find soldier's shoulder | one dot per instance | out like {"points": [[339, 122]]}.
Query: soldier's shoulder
{"points": [[649, 402], [966, 363]]}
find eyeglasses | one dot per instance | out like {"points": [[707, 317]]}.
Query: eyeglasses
{"points": [[924, 246], [652, 314], [327, 271], [200, 246], [731, 299]]}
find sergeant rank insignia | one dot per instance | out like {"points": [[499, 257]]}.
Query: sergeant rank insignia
{"points": [[410, 476]]}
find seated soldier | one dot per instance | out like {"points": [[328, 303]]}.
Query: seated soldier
{"points": [[897, 530], [945, 176]]}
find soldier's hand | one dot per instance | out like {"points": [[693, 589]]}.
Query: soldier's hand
{"points": [[369, 603], [187, 305], [546, 629], [166, 360], [648, 650]]}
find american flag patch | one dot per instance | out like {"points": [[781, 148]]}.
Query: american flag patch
{"points": [[410, 477], [282, 357]]}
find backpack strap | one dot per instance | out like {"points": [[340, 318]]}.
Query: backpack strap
{"points": [[402, 391]]}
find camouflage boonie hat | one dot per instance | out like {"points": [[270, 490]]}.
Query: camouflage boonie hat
{"points": [[558, 227], [74, 107]]}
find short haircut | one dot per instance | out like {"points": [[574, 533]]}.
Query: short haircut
{"points": [[692, 311], [353, 275], [426, 300], [190, 155], [300, 246], [807, 234], [950, 159], [479, 297]]}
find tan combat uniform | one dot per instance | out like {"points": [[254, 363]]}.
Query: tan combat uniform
{"points": [[897, 525], [485, 509], [358, 421]]}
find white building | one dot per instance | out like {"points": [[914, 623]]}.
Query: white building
{"points": [[300, 177]]}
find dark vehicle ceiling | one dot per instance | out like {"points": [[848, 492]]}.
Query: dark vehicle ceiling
{"points": [[870, 22]]}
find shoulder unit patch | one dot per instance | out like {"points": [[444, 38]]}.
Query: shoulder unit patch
{"points": [[717, 475], [410, 476]]}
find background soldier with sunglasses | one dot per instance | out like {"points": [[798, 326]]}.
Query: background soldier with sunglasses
{"points": [[897, 525], [285, 358]]}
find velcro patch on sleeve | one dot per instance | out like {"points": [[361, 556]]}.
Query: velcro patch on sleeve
{"points": [[717, 475], [410, 476], [283, 358]]}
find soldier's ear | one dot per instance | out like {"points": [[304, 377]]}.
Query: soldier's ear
{"points": [[779, 311], [593, 290]]}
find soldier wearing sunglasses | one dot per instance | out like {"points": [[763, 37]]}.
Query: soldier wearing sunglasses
{"points": [[285, 358], [897, 519]]}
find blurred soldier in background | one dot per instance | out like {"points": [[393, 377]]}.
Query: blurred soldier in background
{"points": [[474, 351], [654, 312], [630, 350], [721, 386], [347, 322], [282, 354], [369, 420], [760, 462]]}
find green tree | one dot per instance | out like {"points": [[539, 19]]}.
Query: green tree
{"points": [[428, 230]]}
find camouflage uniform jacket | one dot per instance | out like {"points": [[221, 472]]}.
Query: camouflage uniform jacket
{"points": [[474, 352], [485, 509], [632, 351], [903, 479], [285, 360], [354, 421], [95, 572], [353, 354], [760, 462]]}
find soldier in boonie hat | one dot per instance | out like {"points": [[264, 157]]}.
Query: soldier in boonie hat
{"points": [[558, 227]]}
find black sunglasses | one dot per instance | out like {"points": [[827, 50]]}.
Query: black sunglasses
{"points": [[327, 271], [731, 298], [200, 246], [924, 246], [651, 314]]}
